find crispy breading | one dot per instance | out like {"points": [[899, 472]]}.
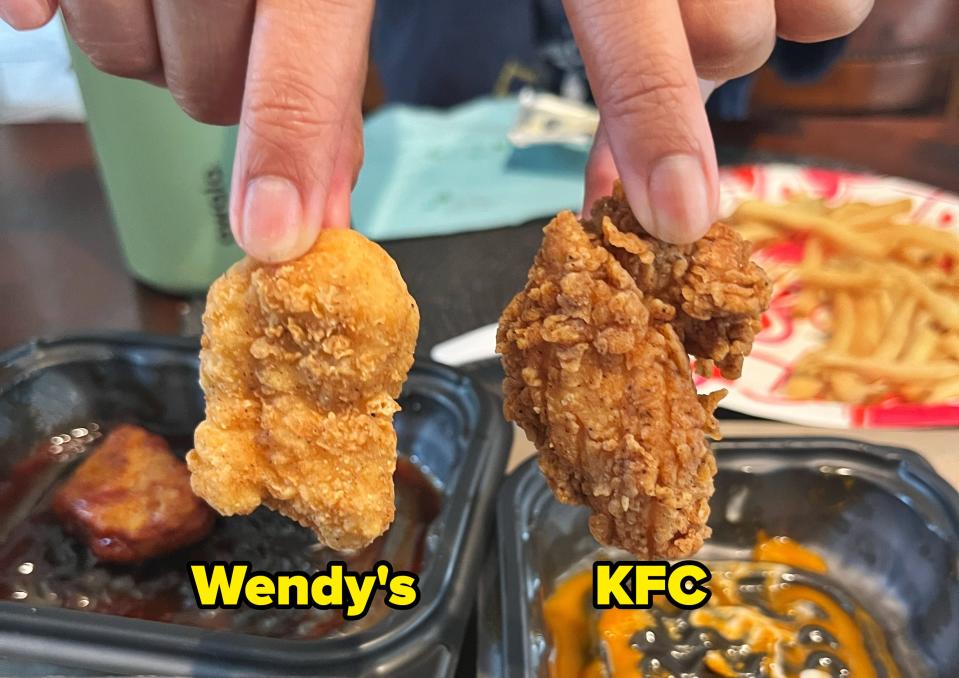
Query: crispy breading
{"points": [[598, 376], [718, 293], [301, 364]]}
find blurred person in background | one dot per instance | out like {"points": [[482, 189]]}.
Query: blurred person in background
{"points": [[293, 74]]}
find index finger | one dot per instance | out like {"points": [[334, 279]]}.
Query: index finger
{"points": [[639, 66], [303, 88], [24, 15]]}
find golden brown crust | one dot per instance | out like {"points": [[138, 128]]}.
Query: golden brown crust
{"points": [[301, 364], [598, 377], [719, 294]]}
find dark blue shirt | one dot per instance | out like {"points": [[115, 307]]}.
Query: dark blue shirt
{"points": [[444, 52]]}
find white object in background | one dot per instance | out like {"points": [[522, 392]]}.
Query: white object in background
{"points": [[474, 346], [36, 80], [549, 119]]}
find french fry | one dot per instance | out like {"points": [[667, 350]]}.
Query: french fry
{"points": [[808, 297], [940, 280], [930, 239], [813, 254], [891, 287], [808, 204], [915, 393], [949, 344], [944, 309], [758, 233], [933, 370], [912, 255], [823, 226], [849, 210], [872, 215], [944, 391], [848, 387], [838, 279], [803, 387], [922, 344], [843, 323], [806, 302], [868, 325], [896, 331], [886, 305]]}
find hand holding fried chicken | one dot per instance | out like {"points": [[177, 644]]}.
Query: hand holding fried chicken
{"points": [[597, 373], [301, 364]]}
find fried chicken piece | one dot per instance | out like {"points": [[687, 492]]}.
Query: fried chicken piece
{"points": [[131, 499], [301, 364], [598, 376], [718, 293]]}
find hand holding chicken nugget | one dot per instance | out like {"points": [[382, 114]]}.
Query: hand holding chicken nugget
{"points": [[301, 363]]}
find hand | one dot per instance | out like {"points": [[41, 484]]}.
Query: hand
{"points": [[642, 58], [298, 96], [290, 71]]}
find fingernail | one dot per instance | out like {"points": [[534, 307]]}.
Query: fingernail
{"points": [[271, 225], [27, 15], [679, 203]]}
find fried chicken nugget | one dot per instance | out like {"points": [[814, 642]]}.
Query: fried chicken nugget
{"points": [[598, 376], [718, 293], [301, 364]]}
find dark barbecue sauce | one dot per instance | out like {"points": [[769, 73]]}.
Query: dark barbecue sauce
{"points": [[42, 564]]}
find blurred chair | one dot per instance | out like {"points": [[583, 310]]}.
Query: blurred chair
{"points": [[904, 58]]}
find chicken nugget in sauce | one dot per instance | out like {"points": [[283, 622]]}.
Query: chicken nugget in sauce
{"points": [[131, 499]]}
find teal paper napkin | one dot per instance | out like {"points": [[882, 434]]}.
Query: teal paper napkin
{"points": [[431, 172]]}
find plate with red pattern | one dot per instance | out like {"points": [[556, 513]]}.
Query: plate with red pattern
{"points": [[784, 337]]}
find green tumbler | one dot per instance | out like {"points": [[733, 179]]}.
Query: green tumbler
{"points": [[167, 178]]}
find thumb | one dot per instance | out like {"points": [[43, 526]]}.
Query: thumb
{"points": [[307, 63], [24, 15], [651, 104], [601, 170]]}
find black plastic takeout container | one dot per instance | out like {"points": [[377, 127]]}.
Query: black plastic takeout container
{"points": [[451, 428], [886, 523]]}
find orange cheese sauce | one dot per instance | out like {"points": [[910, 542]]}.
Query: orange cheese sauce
{"points": [[773, 617], [788, 552]]}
